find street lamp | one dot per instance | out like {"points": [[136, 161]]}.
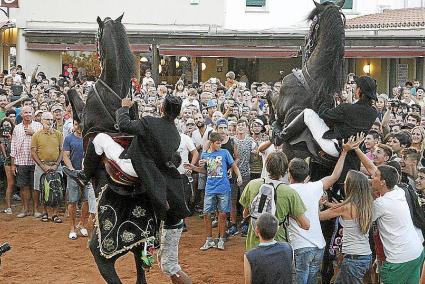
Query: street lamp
{"points": [[183, 59], [367, 68]]}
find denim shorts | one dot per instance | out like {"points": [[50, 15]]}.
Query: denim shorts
{"points": [[74, 191], [217, 202], [353, 269]]}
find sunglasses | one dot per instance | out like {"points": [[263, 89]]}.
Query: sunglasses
{"points": [[190, 124]]}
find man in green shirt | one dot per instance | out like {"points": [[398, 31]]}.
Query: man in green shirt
{"points": [[288, 202]]}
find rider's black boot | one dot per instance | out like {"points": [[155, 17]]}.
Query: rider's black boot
{"points": [[91, 164], [294, 128]]}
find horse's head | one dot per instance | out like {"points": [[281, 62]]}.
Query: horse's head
{"points": [[116, 59], [325, 10]]}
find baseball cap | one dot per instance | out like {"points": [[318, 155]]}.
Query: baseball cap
{"points": [[367, 85], [221, 121], [211, 103], [56, 107]]}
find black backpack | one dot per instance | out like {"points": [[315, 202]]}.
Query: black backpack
{"points": [[416, 212], [52, 189]]}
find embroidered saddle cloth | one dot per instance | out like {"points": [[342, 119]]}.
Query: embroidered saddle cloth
{"points": [[123, 222]]}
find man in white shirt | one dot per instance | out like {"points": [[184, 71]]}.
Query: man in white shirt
{"points": [[402, 247], [17, 80], [309, 244]]}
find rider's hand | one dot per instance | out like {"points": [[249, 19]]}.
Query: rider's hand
{"points": [[127, 102]]}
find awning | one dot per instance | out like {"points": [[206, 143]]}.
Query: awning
{"points": [[384, 52], [7, 24], [79, 47], [229, 51]]}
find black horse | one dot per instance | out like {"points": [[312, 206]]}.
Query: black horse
{"points": [[125, 218], [316, 83], [319, 79]]}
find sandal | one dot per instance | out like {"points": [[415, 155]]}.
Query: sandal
{"points": [[44, 218], [56, 219], [72, 236]]}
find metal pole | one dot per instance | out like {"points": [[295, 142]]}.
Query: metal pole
{"points": [[155, 63]]}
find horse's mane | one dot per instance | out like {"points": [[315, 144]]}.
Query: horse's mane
{"points": [[328, 56], [125, 58]]}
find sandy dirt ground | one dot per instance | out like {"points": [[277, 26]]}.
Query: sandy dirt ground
{"points": [[42, 253]]}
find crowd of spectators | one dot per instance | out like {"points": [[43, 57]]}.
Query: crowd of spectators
{"points": [[227, 154]]}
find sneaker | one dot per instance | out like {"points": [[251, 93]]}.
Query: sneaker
{"points": [[84, 232], [184, 228], [208, 244], [22, 215], [244, 230], [232, 231], [220, 244], [16, 197], [8, 211]]}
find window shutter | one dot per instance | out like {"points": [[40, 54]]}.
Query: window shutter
{"points": [[255, 3], [347, 5]]}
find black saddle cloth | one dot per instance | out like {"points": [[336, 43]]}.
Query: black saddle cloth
{"points": [[124, 222]]}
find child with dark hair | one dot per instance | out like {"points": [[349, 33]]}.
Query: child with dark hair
{"points": [[271, 261]]}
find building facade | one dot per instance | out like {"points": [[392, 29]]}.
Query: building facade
{"points": [[203, 38]]}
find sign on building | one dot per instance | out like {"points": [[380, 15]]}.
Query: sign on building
{"points": [[402, 74], [10, 3]]}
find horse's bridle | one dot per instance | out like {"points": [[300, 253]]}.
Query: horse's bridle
{"points": [[312, 36], [102, 105]]}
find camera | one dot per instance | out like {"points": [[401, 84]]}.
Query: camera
{"points": [[4, 248], [6, 131]]}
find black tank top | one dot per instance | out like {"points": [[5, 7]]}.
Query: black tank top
{"points": [[229, 146], [271, 264]]}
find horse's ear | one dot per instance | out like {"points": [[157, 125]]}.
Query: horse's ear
{"points": [[340, 3], [119, 18], [99, 22], [316, 4]]}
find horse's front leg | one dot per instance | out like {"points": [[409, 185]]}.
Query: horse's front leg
{"points": [[141, 276], [106, 266]]}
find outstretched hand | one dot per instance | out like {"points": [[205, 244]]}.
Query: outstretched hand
{"points": [[127, 102], [353, 142]]}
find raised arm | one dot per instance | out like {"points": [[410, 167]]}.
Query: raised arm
{"points": [[125, 124], [330, 180], [368, 164]]}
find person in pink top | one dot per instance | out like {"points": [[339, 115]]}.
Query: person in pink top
{"points": [[22, 162]]}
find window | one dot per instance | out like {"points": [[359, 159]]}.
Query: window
{"points": [[347, 5], [255, 3]]}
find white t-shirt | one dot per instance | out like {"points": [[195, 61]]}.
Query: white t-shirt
{"points": [[187, 103], [186, 146], [201, 140], [310, 194], [399, 238], [264, 156]]}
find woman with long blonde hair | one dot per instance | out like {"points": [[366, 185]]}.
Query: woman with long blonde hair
{"points": [[418, 138], [356, 218]]}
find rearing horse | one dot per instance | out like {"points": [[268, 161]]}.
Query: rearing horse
{"points": [[125, 218], [321, 75]]}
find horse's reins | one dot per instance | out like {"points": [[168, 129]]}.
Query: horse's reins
{"points": [[103, 105]]}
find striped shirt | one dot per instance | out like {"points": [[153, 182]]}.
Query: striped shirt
{"points": [[21, 144]]}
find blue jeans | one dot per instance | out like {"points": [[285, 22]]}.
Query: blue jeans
{"points": [[217, 202], [307, 264], [353, 270]]}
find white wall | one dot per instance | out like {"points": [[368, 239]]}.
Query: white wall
{"points": [[138, 14], [50, 61], [277, 15], [287, 16]]}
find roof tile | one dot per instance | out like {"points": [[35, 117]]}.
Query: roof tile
{"points": [[390, 19]]}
